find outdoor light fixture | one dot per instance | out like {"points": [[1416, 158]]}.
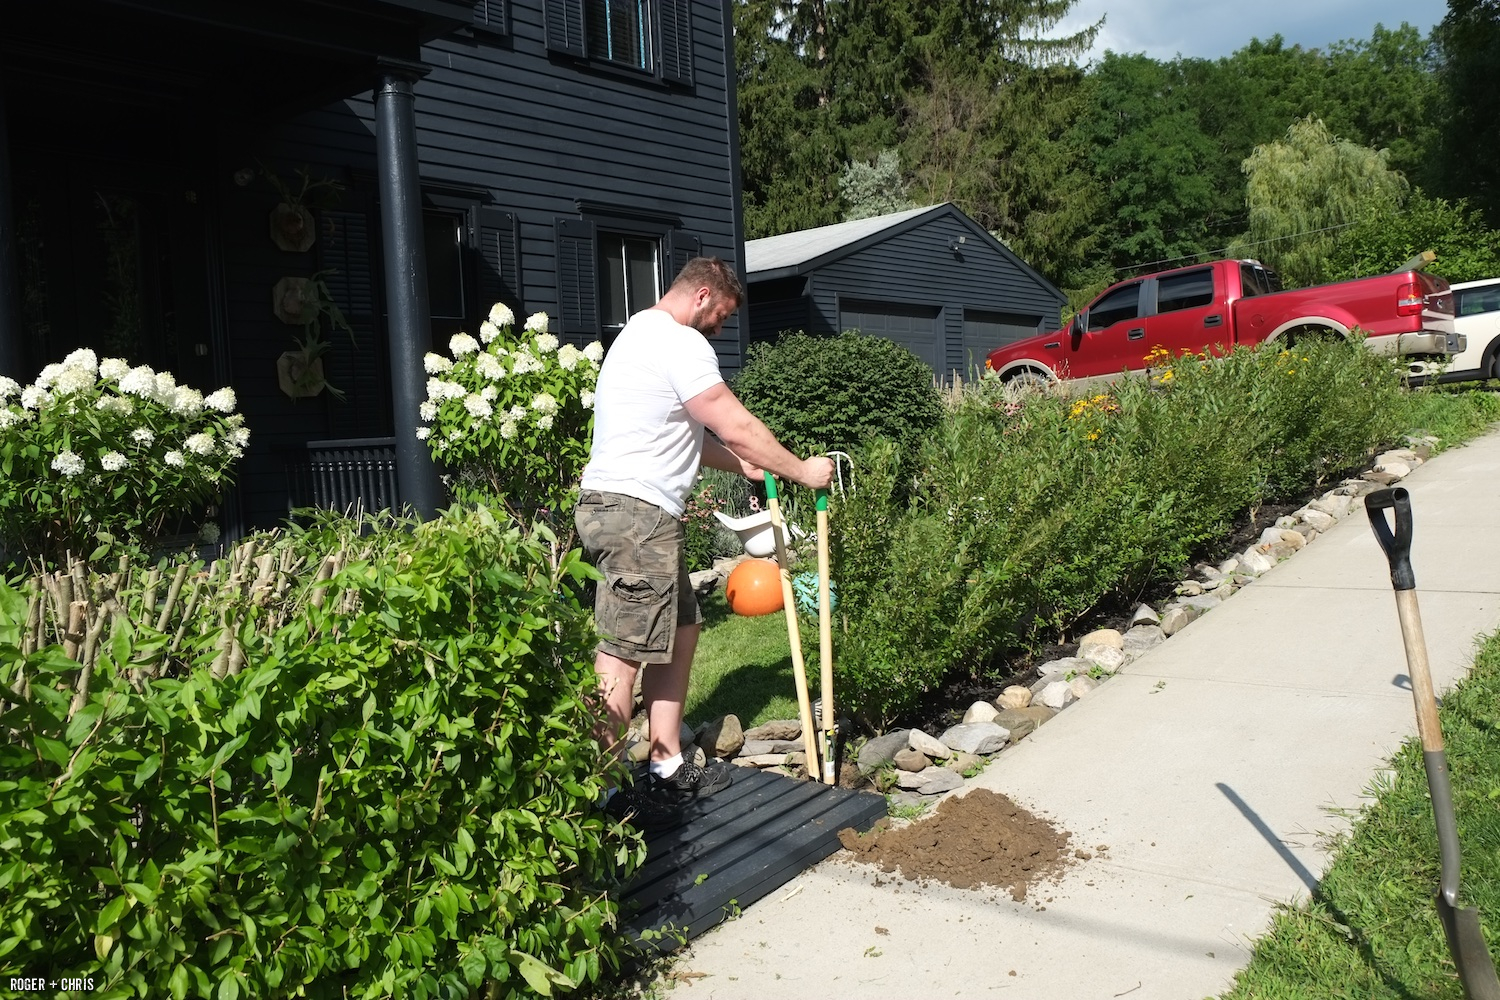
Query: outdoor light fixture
{"points": [[956, 244]]}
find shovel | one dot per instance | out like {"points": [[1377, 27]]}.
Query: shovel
{"points": [[1460, 925], [794, 634]]}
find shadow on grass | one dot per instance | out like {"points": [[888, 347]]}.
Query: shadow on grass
{"points": [[747, 691]]}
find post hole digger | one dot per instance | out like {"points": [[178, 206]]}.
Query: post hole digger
{"points": [[1476, 969], [819, 748]]}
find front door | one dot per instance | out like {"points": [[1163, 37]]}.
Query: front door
{"points": [[112, 257]]}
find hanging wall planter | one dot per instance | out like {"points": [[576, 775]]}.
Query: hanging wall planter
{"points": [[292, 227], [295, 301], [300, 374]]}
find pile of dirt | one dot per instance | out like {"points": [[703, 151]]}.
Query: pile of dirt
{"points": [[979, 839]]}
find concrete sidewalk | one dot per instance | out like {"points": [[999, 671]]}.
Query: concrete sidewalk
{"points": [[1212, 768]]}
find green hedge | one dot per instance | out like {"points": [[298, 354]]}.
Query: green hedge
{"points": [[1025, 511], [393, 796], [818, 393]]}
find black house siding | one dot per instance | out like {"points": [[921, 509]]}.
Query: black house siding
{"points": [[501, 119], [913, 270]]}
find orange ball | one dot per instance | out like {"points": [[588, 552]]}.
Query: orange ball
{"points": [[754, 588]]}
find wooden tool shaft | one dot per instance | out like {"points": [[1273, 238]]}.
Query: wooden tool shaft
{"points": [[825, 650], [794, 636], [1422, 693]]}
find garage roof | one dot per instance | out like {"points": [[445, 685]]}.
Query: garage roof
{"points": [[793, 250]]}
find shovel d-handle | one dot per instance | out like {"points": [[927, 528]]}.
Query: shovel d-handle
{"points": [[793, 633], [1397, 544], [825, 644]]}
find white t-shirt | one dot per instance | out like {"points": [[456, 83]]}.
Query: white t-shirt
{"points": [[646, 444]]}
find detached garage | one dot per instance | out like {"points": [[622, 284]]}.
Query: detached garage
{"points": [[929, 278]]}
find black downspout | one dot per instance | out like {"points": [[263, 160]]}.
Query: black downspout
{"points": [[410, 319], [11, 334]]}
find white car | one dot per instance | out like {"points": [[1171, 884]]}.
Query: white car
{"points": [[1476, 315]]}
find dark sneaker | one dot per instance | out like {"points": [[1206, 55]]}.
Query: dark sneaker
{"points": [[643, 811], [690, 782]]}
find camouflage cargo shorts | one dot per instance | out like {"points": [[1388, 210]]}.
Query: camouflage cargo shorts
{"points": [[645, 594]]}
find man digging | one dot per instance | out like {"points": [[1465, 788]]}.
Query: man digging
{"points": [[659, 388]]}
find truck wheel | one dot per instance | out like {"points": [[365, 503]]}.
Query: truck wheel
{"points": [[1028, 379]]}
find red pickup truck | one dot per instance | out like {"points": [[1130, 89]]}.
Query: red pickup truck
{"points": [[1213, 307]]}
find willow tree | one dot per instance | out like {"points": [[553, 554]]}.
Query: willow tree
{"points": [[1306, 188]]}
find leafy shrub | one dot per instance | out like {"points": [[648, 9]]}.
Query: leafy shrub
{"points": [[821, 393], [95, 449], [1466, 248], [700, 527], [1026, 510], [510, 415], [392, 797]]}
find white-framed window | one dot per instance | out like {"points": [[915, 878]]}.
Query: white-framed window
{"points": [[629, 277], [654, 37], [619, 31]]}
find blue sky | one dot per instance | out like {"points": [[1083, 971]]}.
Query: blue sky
{"points": [[1208, 29]]}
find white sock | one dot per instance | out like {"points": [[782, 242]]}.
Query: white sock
{"points": [[666, 768]]}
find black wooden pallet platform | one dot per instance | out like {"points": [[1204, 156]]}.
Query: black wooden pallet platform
{"points": [[735, 847]]}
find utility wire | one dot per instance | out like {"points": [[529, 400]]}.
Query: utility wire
{"points": [[1222, 251]]}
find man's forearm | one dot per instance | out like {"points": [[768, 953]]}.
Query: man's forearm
{"points": [[749, 439], [716, 456]]}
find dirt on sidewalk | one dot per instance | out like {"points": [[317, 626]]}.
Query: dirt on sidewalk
{"points": [[978, 839]]}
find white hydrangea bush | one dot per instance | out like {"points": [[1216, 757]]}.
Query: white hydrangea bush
{"points": [[97, 448], [509, 414]]}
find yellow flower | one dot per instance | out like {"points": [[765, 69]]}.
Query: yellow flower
{"points": [[1291, 371], [1094, 435], [1166, 376]]}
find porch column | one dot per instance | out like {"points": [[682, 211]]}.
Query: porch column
{"points": [[405, 278], [11, 335]]}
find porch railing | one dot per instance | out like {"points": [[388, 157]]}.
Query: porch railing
{"points": [[344, 474]]}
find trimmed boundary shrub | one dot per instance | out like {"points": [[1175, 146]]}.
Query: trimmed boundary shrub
{"points": [[1025, 511]]}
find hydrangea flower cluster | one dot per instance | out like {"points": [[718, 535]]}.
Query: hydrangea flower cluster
{"points": [[509, 414], [105, 446]]}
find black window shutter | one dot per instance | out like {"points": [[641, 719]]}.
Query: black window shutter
{"points": [[577, 277], [346, 255], [565, 27], [676, 41], [681, 248], [490, 16], [499, 259]]}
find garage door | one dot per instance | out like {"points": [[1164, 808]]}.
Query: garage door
{"points": [[984, 331], [914, 327]]}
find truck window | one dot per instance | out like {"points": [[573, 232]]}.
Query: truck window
{"points": [[1121, 304], [1189, 290], [1472, 301], [1252, 281], [1255, 279]]}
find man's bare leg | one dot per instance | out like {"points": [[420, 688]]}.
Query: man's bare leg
{"points": [[664, 690], [617, 687]]}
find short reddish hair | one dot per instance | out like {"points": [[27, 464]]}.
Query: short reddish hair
{"points": [[712, 273]]}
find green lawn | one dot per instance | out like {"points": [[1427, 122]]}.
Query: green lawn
{"points": [[1371, 930], [744, 667]]}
